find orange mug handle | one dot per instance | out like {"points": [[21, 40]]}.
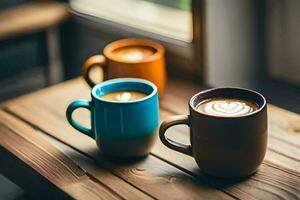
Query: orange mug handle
{"points": [[91, 62]]}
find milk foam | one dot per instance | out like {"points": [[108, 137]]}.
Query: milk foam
{"points": [[124, 96], [227, 107]]}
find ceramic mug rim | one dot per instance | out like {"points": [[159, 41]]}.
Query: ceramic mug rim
{"points": [[252, 92], [120, 81], [107, 51]]}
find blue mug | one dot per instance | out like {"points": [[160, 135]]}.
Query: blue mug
{"points": [[121, 129]]}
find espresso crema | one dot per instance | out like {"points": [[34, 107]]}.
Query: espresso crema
{"points": [[226, 107], [124, 96]]}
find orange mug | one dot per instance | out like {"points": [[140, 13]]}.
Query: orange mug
{"points": [[138, 58]]}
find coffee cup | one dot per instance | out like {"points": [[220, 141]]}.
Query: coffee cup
{"points": [[138, 58], [124, 116], [228, 131]]}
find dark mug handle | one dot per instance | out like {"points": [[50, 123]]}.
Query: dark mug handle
{"points": [[172, 121], [90, 63], [71, 108]]}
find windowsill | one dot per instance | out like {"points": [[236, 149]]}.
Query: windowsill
{"points": [[147, 16]]}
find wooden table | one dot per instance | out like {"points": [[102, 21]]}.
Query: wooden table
{"points": [[43, 154]]}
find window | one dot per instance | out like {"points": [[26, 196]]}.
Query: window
{"points": [[170, 18], [173, 23]]}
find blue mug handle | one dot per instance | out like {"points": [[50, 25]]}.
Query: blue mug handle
{"points": [[71, 108]]}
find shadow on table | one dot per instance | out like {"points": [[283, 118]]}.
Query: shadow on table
{"points": [[154, 168], [220, 183]]}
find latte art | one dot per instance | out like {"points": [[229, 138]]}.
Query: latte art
{"points": [[226, 107]]}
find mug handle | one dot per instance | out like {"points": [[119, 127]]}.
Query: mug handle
{"points": [[172, 121], [91, 62], [71, 108]]}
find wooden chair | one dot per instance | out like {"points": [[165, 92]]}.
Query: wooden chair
{"points": [[33, 17]]}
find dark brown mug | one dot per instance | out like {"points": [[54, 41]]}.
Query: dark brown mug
{"points": [[231, 146]]}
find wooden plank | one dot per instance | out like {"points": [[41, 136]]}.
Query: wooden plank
{"points": [[19, 172], [284, 125], [31, 17], [54, 114], [150, 175], [97, 174], [41, 163], [75, 88], [120, 186]]}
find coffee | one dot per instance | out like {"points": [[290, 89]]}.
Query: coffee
{"points": [[133, 53], [124, 96], [226, 107]]}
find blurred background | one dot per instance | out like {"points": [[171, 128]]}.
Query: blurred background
{"points": [[243, 43], [246, 43]]}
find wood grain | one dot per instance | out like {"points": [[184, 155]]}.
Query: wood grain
{"points": [[151, 175], [49, 166], [96, 174], [17, 171], [121, 187], [278, 177], [31, 17], [137, 171]]}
